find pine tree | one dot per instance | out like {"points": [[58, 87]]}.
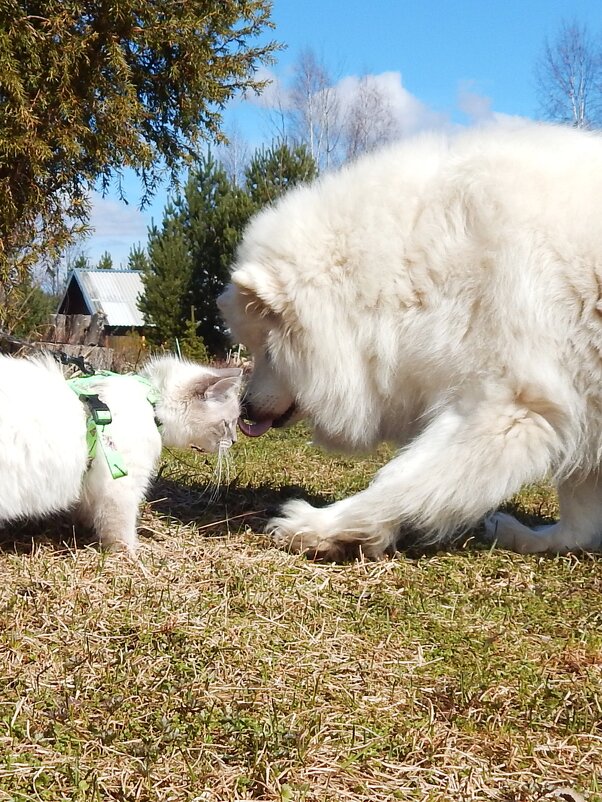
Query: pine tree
{"points": [[275, 169], [192, 345], [105, 262], [81, 262], [137, 259], [217, 214], [36, 308], [190, 257], [166, 277]]}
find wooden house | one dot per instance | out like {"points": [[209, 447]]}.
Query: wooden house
{"points": [[112, 294]]}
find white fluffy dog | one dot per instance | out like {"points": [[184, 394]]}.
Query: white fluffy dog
{"points": [[445, 295]]}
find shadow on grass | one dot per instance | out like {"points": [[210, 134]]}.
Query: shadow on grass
{"points": [[240, 506], [57, 532], [208, 508], [237, 508]]}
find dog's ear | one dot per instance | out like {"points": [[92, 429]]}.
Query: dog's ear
{"points": [[261, 288]]}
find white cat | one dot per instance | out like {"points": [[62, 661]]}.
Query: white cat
{"points": [[45, 465]]}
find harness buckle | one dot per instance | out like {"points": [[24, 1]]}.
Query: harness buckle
{"points": [[101, 414]]}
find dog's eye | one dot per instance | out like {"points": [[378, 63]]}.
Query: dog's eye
{"points": [[268, 355]]}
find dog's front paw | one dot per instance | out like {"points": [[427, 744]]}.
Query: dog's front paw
{"points": [[321, 533], [294, 528], [505, 532]]}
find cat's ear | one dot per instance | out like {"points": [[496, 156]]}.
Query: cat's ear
{"points": [[224, 382], [224, 373], [227, 386]]}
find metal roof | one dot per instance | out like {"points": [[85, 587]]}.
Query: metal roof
{"points": [[113, 292]]}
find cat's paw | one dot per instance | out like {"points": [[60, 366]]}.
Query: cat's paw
{"points": [[120, 545]]}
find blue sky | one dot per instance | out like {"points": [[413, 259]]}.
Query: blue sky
{"points": [[443, 60]]}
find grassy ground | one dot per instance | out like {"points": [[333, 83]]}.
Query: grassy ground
{"points": [[228, 670]]}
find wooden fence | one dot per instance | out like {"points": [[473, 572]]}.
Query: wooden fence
{"points": [[73, 335]]}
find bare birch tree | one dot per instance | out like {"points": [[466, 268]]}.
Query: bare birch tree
{"points": [[569, 77], [234, 155], [313, 109], [369, 121], [335, 121]]}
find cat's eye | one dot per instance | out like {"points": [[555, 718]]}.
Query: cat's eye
{"points": [[229, 431]]}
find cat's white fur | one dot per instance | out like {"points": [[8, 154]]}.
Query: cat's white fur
{"points": [[43, 451]]}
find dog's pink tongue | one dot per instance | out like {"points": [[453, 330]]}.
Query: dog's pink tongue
{"points": [[254, 429]]}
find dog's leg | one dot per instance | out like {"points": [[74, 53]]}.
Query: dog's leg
{"points": [[579, 527], [468, 459]]}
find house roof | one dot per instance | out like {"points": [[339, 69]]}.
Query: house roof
{"points": [[115, 293]]}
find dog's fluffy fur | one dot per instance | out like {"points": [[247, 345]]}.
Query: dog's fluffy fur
{"points": [[43, 452], [446, 295]]}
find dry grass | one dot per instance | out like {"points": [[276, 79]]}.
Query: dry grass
{"points": [[228, 670]]}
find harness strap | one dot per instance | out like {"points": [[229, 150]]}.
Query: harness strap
{"points": [[98, 432]]}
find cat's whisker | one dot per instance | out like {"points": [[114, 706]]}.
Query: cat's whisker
{"points": [[222, 472], [216, 480], [222, 468]]}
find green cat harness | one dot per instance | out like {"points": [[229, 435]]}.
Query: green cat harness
{"points": [[98, 424]]}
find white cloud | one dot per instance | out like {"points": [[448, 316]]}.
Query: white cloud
{"points": [[115, 227], [510, 120], [403, 113], [114, 218], [410, 113], [274, 96], [476, 106]]}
